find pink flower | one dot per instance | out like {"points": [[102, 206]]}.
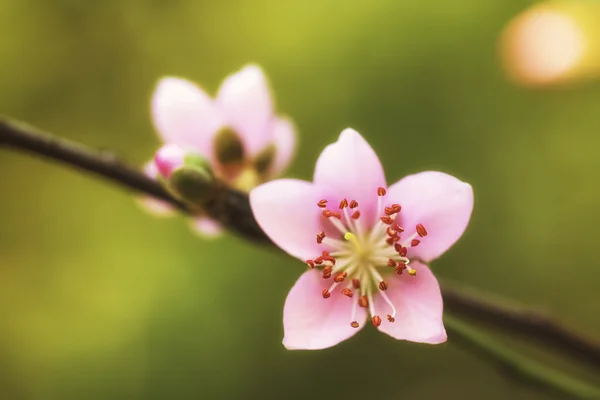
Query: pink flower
{"points": [[239, 133], [366, 245]]}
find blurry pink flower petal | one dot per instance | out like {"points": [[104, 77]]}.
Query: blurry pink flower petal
{"points": [[359, 241], [286, 210], [168, 158], [184, 115], [206, 227], [438, 201], [350, 168], [418, 303], [245, 102], [310, 322], [285, 144]]}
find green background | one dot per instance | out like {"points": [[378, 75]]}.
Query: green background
{"points": [[99, 299]]}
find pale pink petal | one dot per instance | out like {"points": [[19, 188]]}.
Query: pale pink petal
{"points": [[156, 207], [285, 145], [350, 168], [419, 306], [286, 210], [168, 158], [311, 322], [206, 227], [440, 202], [244, 100], [184, 115]]}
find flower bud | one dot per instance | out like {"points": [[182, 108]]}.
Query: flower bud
{"points": [[168, 158]]}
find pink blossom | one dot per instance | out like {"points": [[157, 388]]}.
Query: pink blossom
{"points": [[238, 131], [367, 245]]}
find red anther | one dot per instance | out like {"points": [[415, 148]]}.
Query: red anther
{"points": [[347, 292], [403, 252], [383, 285], [414, 242], [392, 263], [327, 213], [389, 211], [421, 231], [396, 208], [355, 283], [326, 275], [354, 324], [381, 191], [376, 320], [322, 203], [336, 215], [392, 239], [386, 220], [319, 260], [363, 301], [400, 267], [390, 318], [398, 247], [343, 204], [353, 204], [398, 228], [339, 277], [310, 263], [320, 237], [390, 231], [328, 269], [356, 214], [326, 294], [329, 258]]}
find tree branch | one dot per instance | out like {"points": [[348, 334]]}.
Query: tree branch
{"points": [[232, 209]]}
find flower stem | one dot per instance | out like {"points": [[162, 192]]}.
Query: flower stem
{"points": [[517, 364]]}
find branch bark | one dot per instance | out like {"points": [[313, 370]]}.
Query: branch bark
{"points": [[232, 209]]}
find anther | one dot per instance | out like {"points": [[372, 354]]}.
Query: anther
{"points": [[319, 260], [363, 301], [386, 220], [421, 231], [392, 239], [383, 285], [388, 211], [396, 207], [376, 320], [347, 292], [310, 263], [322, 203], [355, 283], [343, 204], [403, 251], [398, 228], [339, 277], [414, 242], [390, 318], [353, 204], [320, 237], [329, 258], [390, 231], [355, 215], [326, 294], [412, 272], [381, 191], [391, 263], [327, 213], [354, 324]]}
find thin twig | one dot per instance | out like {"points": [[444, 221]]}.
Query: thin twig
{"points": [[232, 208], [516, 365]]}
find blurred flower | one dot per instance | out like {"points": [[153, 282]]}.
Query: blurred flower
{"points": [[239, 133], [553, 42], [371, 253]]}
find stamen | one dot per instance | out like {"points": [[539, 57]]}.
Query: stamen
{"points": [[391, 263], [343, 204], [326, 294], [387, 300], [383, 285], [386, 220], [381, 191], [412, 272], [322, 203], [414, 242], [376, 320], [354, 324], [401, 267], [353, 204], [340, 277], [421, 231], [390, 318], [320, 237], [356, 283], [356, 215], [310, 263], [347, 292], [363, 301]]}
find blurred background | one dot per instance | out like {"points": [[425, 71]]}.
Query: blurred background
{"points": [[99, 299]]}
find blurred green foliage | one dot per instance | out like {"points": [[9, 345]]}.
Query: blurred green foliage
{"points": [[100, 300]]}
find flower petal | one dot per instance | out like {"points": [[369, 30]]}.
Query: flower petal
{"points": [[184, 115], [154, 206], [351, 168], [285, 145], [419, 306], [286, 210], [440, 202], [311, 322], [244, 100], [206, 227]]}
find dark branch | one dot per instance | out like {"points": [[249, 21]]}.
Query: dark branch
{"points": [[232, 209]]}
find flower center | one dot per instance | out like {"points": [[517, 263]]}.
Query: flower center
{"points": [[357, 257]]}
